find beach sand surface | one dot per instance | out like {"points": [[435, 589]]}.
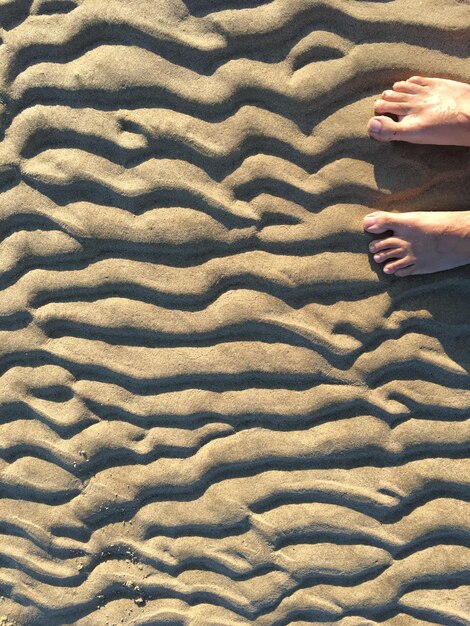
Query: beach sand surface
{"points": [[215, 408]]}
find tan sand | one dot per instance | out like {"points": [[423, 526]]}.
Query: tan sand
{"points": [[215, 409]]}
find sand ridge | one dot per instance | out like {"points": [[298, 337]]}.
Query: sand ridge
{"points": [[214, 408]]}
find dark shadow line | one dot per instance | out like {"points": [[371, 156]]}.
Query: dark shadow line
{"points": [[304, 114], [270, 47], [93, 250], [190, 492], [310, 201], [203, 8], [250, 330], [253, 379], [447, 537], [279, 422], [295, 297], [217, 166], [54, 551], [15, 321], [54, 7], [99, 194], [27, 222], [434, 616], [414, 369], [13, 13], [32, 493], [123, 552], [385, 514], [13, 411]]}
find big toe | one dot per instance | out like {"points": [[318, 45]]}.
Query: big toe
{"points": [[383, 128], [379, 222]]}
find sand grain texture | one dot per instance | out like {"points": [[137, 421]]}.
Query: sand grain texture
{"points": [[215, 410]]}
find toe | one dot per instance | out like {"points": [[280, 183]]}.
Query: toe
{"points": [[399, 264], [383, 128], [405, 86], [378, 222], [396, 96], [397, 108], [384, 244], [393, 253], [407, 271], [421, 81]]}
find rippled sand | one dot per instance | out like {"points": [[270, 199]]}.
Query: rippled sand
{"points": [[215, 408]]}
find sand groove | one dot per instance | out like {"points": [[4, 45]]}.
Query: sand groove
{"points": [[214, 410]]}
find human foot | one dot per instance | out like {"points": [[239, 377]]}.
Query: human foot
{"points": [[429, 110], [421, 242]]}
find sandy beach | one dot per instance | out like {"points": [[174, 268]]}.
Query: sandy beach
{"points": [[215, 408]]}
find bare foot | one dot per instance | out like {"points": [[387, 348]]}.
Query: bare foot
{"points": [[422, 242], [429, 110]]}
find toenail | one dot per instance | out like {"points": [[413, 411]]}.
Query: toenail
{"points": [[377, 257], [388, 270], [375, 126], [369, 220], [372, 247]]}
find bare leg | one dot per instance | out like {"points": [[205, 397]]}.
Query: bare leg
{"points": [[422, 242], [429, 110]]}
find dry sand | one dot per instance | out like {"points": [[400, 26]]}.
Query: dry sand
{"points": [[215, 409]]}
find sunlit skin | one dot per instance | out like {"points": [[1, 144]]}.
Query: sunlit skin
{"points": [[428, 111]]}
